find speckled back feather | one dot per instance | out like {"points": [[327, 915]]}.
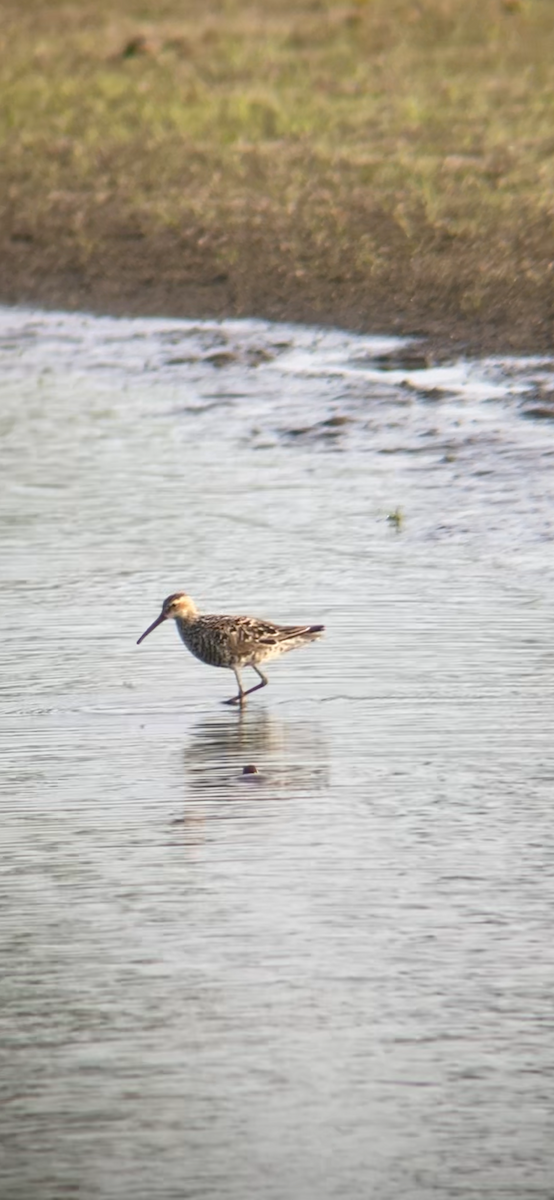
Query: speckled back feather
{"points": [[224, 641]]}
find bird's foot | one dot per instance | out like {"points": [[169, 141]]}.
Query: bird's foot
{"points": [[234, 700]]}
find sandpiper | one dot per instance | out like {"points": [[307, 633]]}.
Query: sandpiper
{"points": [[231, 642]]}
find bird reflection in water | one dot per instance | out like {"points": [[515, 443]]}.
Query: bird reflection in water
{"points": [[259, 757]]}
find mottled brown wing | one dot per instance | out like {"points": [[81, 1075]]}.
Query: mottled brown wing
{"points": [[248, 634], [245, 635], [268, 634]]}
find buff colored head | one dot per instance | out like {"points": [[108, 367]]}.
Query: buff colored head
{"points": [[176, 605]]}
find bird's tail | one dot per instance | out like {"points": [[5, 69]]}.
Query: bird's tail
{"points": [[306, 633]]}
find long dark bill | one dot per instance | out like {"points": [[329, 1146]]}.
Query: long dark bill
{"points": [[151, 627]]}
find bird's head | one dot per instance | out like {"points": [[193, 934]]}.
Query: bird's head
{"points": [[174, 606]]}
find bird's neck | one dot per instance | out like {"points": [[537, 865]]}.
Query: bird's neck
{"points": [[186, 617]]}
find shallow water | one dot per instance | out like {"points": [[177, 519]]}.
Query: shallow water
{"points": [[333, 978]]}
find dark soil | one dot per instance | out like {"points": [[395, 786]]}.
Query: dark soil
{"points": [[133, 271]]}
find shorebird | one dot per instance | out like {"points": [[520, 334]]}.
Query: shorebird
{"points": [[231, 642]]}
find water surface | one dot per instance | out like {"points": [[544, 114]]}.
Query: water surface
{"points": [[334, 978]]}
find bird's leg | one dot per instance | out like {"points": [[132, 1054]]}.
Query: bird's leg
{"points": [[239, 698], [257, 686]]}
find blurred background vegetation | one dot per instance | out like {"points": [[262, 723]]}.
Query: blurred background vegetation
{"points": [[379, 163]]}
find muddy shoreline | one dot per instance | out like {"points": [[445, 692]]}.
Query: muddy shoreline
{"points": [[132, 272], [378, 167]]}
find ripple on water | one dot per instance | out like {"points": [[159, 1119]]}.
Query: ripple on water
{"points": [[332, 976]]}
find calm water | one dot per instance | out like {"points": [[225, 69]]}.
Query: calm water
{"points": [[334, 979]]}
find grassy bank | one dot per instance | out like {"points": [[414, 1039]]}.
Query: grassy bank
{"points": [[385, 164]]}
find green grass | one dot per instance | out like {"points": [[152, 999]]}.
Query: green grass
{"points": [[307, 118]]}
